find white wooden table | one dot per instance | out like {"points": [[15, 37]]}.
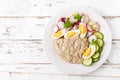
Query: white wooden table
{"points": [[22, 24]]}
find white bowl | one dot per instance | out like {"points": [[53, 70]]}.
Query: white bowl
{"points": [[68, 68]]}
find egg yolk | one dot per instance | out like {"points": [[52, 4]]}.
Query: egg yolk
{"points": [[57, 34], [82, 29], [87, 52], [70, 34]]}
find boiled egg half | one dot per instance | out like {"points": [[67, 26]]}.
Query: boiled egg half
{"points": [[89, 52], [58, 34], [71, 34], [83, 30]]}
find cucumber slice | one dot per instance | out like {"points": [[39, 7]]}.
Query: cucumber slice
{"points": [[101, 49], [96, 60], [97, 47], [96, 55], [100, 42], [99, 35], [87, 62]]}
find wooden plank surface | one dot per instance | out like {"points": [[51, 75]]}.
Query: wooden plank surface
{"points": [[5, 76], [57, 77], [22, 25], [33, 27], [32, 52]]}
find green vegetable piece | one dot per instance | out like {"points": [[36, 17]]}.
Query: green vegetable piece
{"points": [[96, 59], [67, 23], [96, 55], [87, 62], [93, 42], [99, 35], [101, 49], [78, 16], [100, 42], [97, 47]]}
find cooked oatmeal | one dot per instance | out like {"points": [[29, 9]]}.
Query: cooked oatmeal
{"points": [[71, 50]]}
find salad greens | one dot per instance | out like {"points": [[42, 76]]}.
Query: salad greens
{"points": [[68, 23]]}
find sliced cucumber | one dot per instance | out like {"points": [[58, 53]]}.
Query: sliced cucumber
{"points": [[96, 59], [99, 35], [101, 49], [97, 47], [87, 62], [100, 42], [96, 55]]}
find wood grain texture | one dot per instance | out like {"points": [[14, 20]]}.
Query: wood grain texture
{"points": [[51, 7], [5, 76], [22, 25], [32, 52], [58, 77], [33, 27]]}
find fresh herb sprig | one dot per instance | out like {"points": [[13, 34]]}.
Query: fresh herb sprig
{"points": [[68, 23]]}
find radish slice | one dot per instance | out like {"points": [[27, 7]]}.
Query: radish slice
{"points": [[89, 34], [97, 26], [75, 27], [56, 28], [89, 28], [85, 19], [63, 19], [72, 19], [76, 23], [91, 23], [60, 25], [92, 37]]}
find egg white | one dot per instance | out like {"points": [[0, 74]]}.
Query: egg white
{"points": [[63, 32], [90, 38], [83, 35], [92, 52], [77, 33]]}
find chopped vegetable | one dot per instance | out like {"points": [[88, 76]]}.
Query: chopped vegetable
{"points": [[87, 62], [101, 49], [100, 42], [89, 28], [96, 45], [96, 55], [96, 59], [56, 28], [67, 23], [89, 34], [77, 16], [63, 19], [99, 35], [96, 26], [92, 37]]}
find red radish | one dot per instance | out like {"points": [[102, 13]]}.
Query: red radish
{"points": [[82, 14], [88, 28], [72, 19], [76, 23], [85, 19], [60, 25], [89, 34], [56, 28], [97, 26], [75, 27], [63, 19]]}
